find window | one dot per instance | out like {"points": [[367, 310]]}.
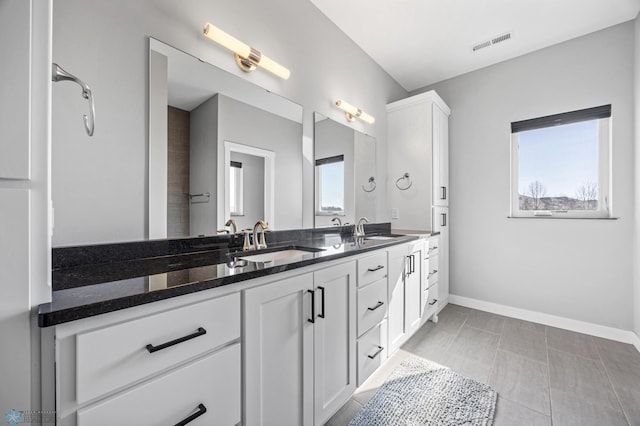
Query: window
{"points": [[330, 184], [560, 165], [236, 189]]}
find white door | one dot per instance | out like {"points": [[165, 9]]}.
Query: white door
{"points": [[335, 339], [278, 348], [440, 157], [397, 330]]}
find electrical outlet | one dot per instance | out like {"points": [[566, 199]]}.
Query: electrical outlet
{"points": [[395, 213]]}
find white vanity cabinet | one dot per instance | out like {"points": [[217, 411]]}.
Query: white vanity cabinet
{"points": [[152, 364], [431, 277], [441, 225], [418, 131], [284, 349], [418, 134], [405, 292], [373, 302], [300, 347]]}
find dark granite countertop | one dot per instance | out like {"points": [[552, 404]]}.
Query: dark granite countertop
{"points": [[93, 280]]}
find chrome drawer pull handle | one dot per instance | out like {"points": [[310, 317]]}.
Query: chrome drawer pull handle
{"points": [[434, 302], [380, 303], [201, 410], [380, 349], [153, 349], [377, 268]]}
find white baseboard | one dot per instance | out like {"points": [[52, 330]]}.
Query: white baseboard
{"points": [[625, 336]]}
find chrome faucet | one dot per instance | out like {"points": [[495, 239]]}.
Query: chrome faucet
{"points": [[338, 219], [258, 244], [232, 224], [359, 229]]}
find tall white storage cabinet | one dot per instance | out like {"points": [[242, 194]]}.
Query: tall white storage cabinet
{"points": [[418, 146]]}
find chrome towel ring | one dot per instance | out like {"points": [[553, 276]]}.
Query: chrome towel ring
{"points": [[372, 185], [404, 177]]}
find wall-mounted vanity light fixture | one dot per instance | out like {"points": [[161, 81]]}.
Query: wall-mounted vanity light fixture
{"points": [[352, 112], [246, 56]]}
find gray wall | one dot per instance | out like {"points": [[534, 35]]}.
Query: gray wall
{"points": [[636, 233], [203, 167], [244, 124], [365, 161], [100, 184], [578, 269]]}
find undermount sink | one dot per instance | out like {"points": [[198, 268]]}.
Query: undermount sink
{"points": [[277, 255], [383, 237]]}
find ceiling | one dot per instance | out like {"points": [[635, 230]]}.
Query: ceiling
{"points": [[420, 42]]}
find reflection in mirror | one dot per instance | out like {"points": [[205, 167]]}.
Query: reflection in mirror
{"points": [[345, 173], [330, 184], [249, 194], [220, 148]]}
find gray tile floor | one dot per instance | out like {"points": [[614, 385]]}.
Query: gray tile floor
{"points": [[543, 375]]}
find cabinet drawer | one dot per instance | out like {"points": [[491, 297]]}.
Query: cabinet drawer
{"points": [[430, 298], [433, 248], [372, 268], [432, 270], [213, 381], [115, 356], [372, 351], [372, 305]]}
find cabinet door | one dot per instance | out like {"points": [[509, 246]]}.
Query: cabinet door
{"points": [[440, 160], [397, 330], [278, 348], [412, 292], [335, 339], [441, 224], [15, 86]]}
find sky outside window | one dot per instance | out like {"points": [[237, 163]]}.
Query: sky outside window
{"points": [[332, 184], [562, 158]]}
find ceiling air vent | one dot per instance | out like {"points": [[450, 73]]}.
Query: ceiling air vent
{"points": [[482, 45], [491, 42]]}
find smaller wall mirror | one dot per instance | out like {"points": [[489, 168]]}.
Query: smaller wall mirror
{"points": [[345, 173]]}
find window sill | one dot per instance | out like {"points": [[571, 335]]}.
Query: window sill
{"points": [[563, 218]]}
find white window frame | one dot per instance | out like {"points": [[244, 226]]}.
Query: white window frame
{"points": [[236, 175], [604, 181]]}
